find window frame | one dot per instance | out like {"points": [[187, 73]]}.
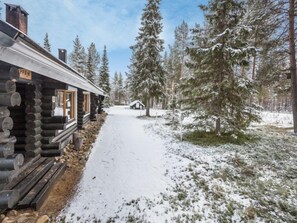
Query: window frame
{"points": [[87, 103], [72, 103]]}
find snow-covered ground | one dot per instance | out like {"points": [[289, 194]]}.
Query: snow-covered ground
{"points": [[139, 171]]}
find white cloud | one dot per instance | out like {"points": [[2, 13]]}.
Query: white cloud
{"points": [[113, 23]]}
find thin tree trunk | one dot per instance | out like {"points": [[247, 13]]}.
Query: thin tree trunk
{"points": [[148, 103], [254, 67], [218, 126], [293, 62]]}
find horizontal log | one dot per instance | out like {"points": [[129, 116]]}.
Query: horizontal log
{"points": [[33, 109], [4, 111], [47, 113], [35, 131], [5, 134], [7, 86], [33, 146], [6, 149], [7, 140], [21, 139], [53, 126], [33, 94], [33, 102], [8, 198], [19, 147], [11, 162], [47, 140], [33, 153], [19, 126], [48, 133], [33, 138], [6, 123], [33, 124], [48, 99], [12, 74], [52, 153], [19, 119], [55, 119], [33, 116], [18, 133], [48, 106], [10, 99], [49, 91], [51, 146]]}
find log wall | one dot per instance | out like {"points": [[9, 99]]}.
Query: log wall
{"points": [[33, 119], [80, 110], [10, 108], [50, 124]]}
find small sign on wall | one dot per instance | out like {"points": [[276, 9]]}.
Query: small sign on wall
{"points": [[25, 74]]}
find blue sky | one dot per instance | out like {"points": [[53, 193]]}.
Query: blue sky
{"points": [[113, 23]]}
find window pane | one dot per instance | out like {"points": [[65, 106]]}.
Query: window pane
{"points": [[59, 110], [69, 105]]}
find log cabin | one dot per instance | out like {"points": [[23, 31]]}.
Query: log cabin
{"points": [[43, 102]]}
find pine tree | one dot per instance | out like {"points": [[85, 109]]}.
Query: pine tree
{"points": [[217, 90], [147, 74], [104, 73], [46, 44], [92, 63], [175, 65], [78, 56], [115, 88], [121, 88]]}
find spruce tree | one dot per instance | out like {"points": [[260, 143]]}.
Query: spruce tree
{"points": [[78, 56], [217, 91], [121, 88], [115, 88], [175, 64], [104, 73], [147, 74], [92, 63], [46, 44]]}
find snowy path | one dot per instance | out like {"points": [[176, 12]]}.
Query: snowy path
{"points": [[127, 162]]}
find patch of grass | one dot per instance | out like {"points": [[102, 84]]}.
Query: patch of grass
{"points": [[211, 139]]}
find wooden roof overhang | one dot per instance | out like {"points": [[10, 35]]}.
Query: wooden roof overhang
{"points": [[18, 49]]}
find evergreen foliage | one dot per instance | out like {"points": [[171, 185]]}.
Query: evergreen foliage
{"points": [[146, 70], [174, 65], [104, 73], [78, 57], [46, 44], [92, 63], [118, 91], [218, 90]]}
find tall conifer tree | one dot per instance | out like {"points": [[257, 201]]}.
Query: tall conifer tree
{"points": [[104, 73], [46, 44], [92, 63], [78, 56], [218, 53], [146, 70]]}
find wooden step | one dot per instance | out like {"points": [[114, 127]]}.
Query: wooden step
{"points": [[25, 185], [32, 186], [42, 196], [40, 191]]}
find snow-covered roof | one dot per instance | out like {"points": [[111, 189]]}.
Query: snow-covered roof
{"points": [[136, 101]]}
